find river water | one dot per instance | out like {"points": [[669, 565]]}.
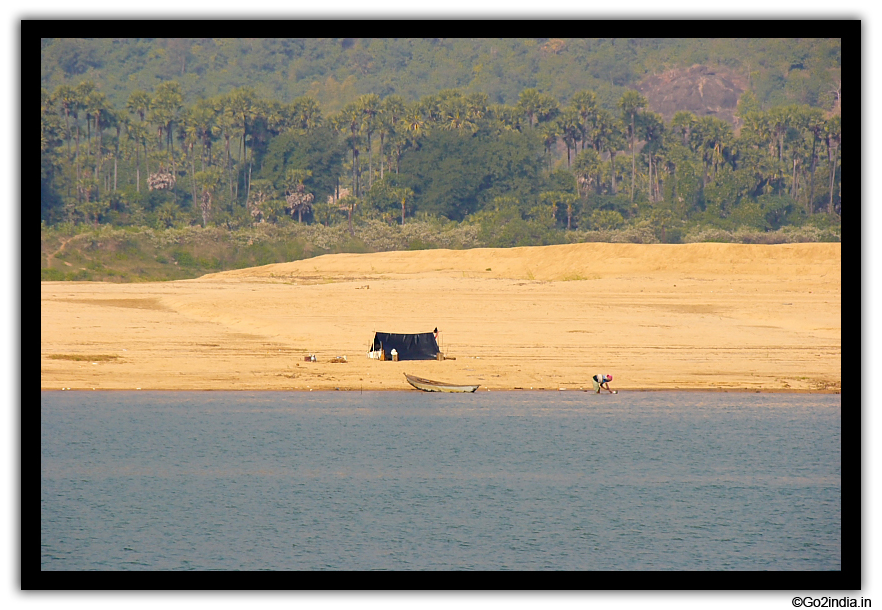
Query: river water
{"points": [[416, 481]]}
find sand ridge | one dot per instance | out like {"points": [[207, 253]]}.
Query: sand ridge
{"points": [[560, 262], [692, 316]]}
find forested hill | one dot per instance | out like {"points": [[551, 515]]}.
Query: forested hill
{"points": [[515, 141], [337, 71]]}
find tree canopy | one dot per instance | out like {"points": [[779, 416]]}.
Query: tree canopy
{"points": [[313, 136]]}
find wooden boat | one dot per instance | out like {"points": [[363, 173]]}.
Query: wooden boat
{"points": [[427, 385]]}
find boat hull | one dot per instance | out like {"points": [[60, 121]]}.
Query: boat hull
{"points": [[427, 385]]}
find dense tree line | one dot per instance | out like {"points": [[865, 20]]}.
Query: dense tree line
{"points": [[539, 164]]}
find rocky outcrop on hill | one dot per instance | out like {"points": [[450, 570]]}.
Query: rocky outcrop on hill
{"points": [[699, 89]]}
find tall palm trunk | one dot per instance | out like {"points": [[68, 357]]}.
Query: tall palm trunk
{"points": [[811, 204], [370, 162], [833, 178], [98, 152], [250, 164], [230, 179], [382, 156], [78, 155], [193, 175], [67, 130], [239, 148], [355, 172], [115, 157], [612, 171], [633, 158]]}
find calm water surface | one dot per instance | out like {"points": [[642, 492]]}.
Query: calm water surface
{"points": [[408, 480]]}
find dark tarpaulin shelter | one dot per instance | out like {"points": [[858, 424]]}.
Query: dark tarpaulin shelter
{"points": [[418, 346]]}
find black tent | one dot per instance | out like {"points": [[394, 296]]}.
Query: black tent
{"points": [[418, 346]]}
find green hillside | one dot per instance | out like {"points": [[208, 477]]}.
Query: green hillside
{"points": [[515, 141], [337, 71]]}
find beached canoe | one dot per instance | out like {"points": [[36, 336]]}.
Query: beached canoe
{"points": [[427, 385]]}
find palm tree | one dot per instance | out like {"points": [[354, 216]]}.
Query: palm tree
{"points": [[203, 115], [164, 107], [225, 124], [587, 167], [549, 132], [189, 135], [548, 108], [84, 90], [568, 127], [384, 127], [833, 135], [139, 104], [505, 118], [457, 117], [477, 106], [652, 127], [169, 101], [267, 121], [370, 107], [430, 105], [348, 203], [404, 193], [242, 110], [567, 200], [631, 104], [66, 97], [585, 104], [262, 191], [682, 124], [79, 102], [615, 140], [711, 138], [529, 102], [814, 123], [415, 124], [779, 121], [350, 118], [295, 192], [137, 133], [96, 103], [309, 113], [601, 130], [391, 113], [208, 182], [113, 119]]}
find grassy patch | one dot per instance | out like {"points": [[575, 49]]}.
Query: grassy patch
{"points": [[137, 254], [51, 275]]}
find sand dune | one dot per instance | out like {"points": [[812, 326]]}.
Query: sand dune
{"points": [[694, 316], [563, 262]]}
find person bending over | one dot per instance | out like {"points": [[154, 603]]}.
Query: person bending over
{"points": [[602, 381]]}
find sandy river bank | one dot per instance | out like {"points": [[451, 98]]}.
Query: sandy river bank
{"points": [[692, 316]]}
